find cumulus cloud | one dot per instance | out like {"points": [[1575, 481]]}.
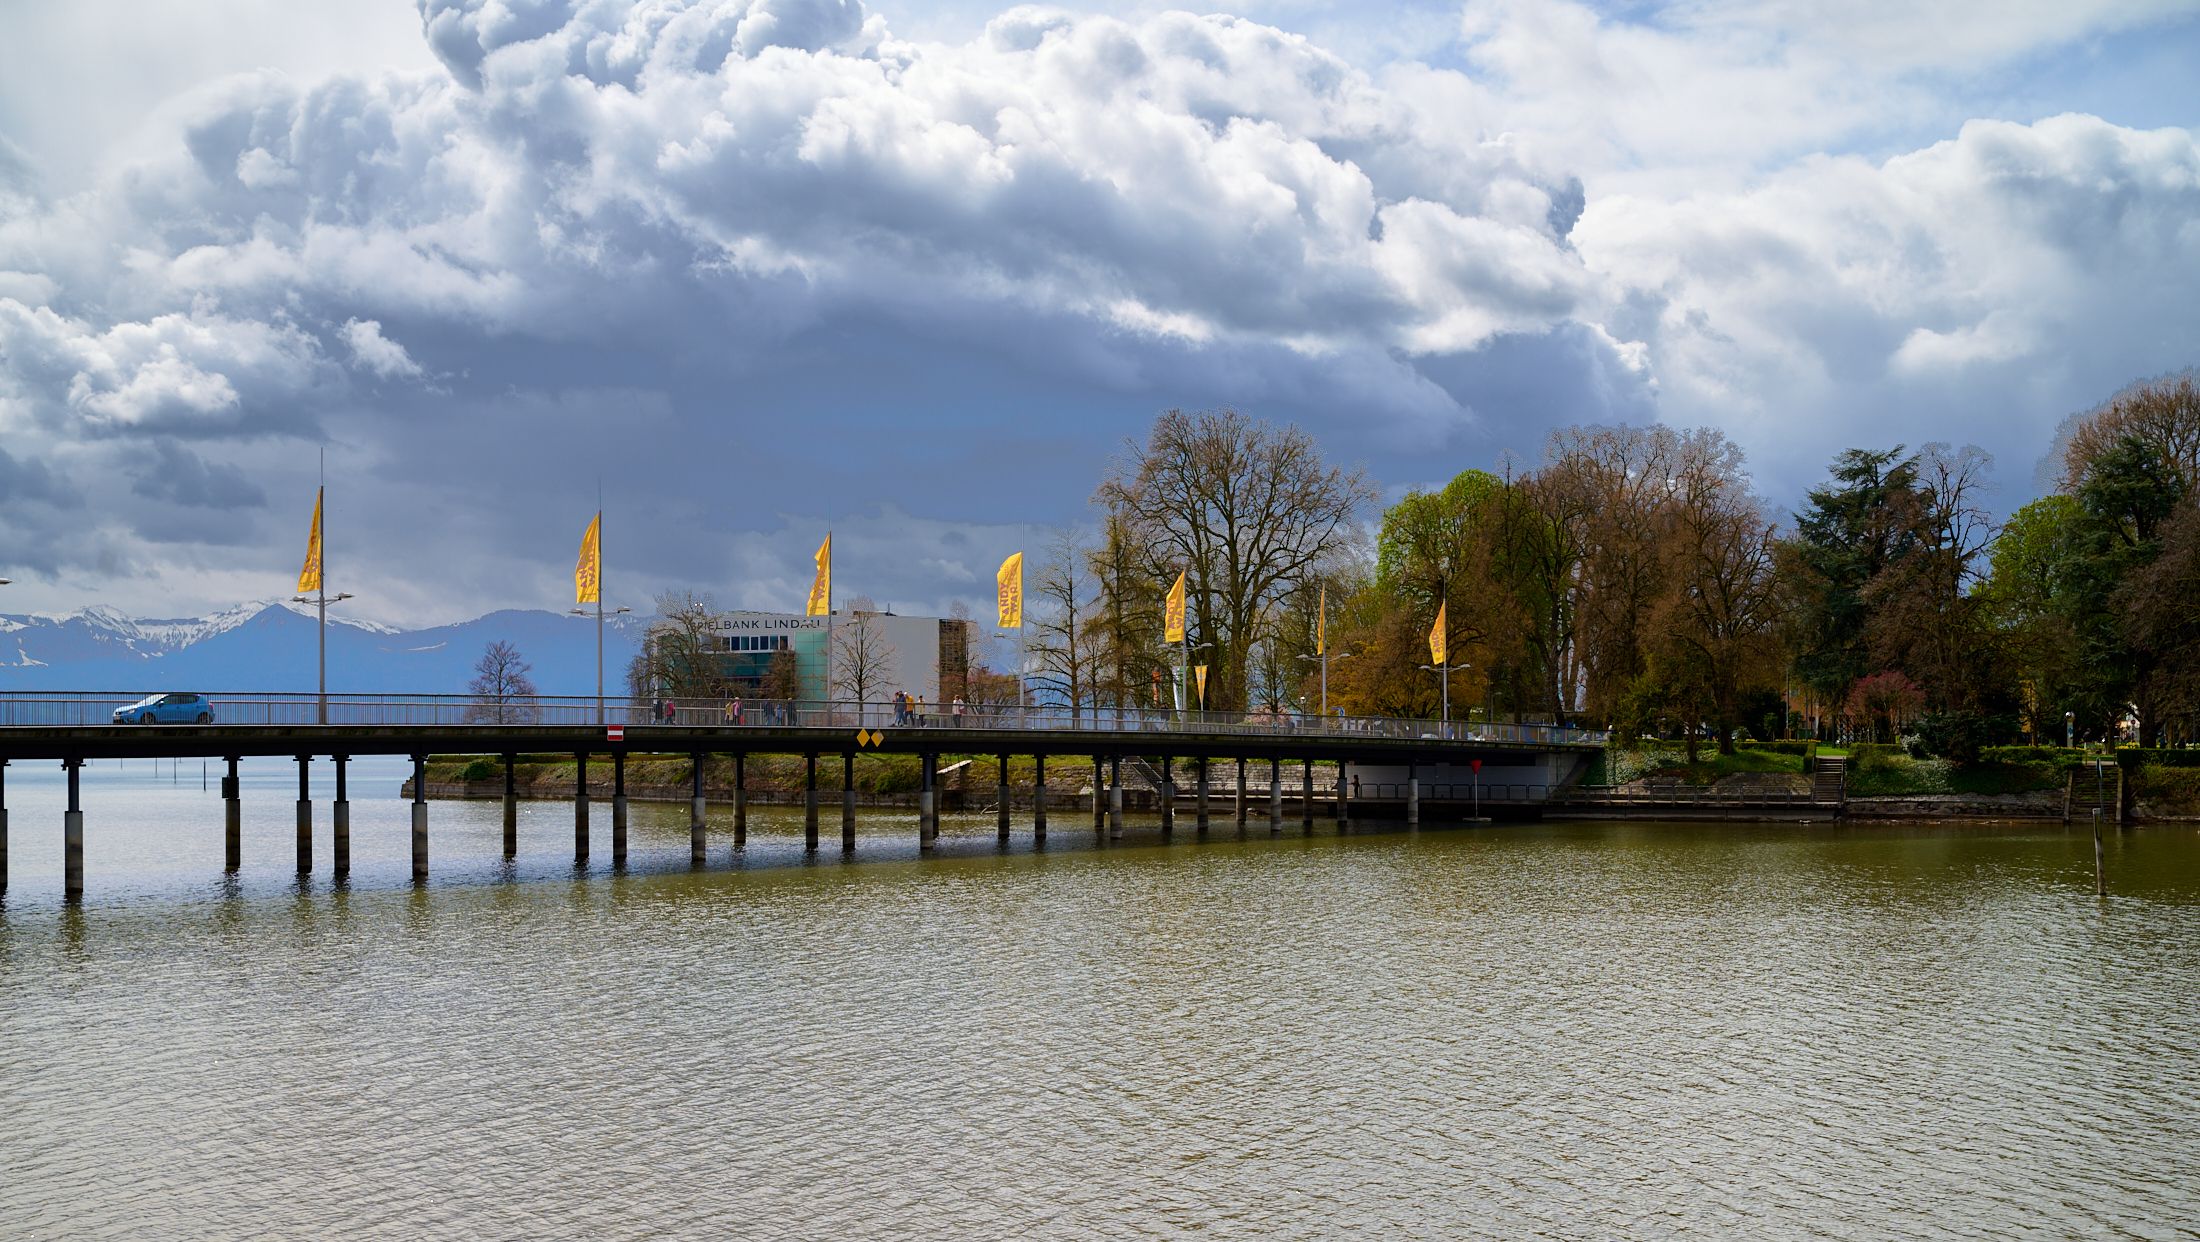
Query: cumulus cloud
{"points": [[742, 254]]}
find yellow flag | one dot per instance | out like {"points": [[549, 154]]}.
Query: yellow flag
{"points": [[1439, 642], [821, 587], [1321, 623], [309, 578], [1010, 582], [588, 570], [1173, 619], [1199, 671]]}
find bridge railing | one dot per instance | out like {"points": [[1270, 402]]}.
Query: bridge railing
{"points": [[52, 709]]}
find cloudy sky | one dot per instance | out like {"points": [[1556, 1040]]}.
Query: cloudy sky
{"points": [[913, 271]]}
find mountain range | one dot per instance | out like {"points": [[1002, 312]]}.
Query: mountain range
{"points": [[270, 646]]}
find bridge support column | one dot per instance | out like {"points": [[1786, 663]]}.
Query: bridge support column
{"points": [[3, 826], [928, 806], [1168, 795], [1344, 806], [305, 815], [1038, 798], [1306, 797], [1241, 793], [740, 801], [1413, 797], [1099, 794], [511, 808], [1001, 816], [809, 804], [420, 820], [340, 812], [232, 820], [1203, 808], [618, 808], [1275, 795], [848, 802], [580, 808], [698, 814], [1115, 798], [72, 837]]}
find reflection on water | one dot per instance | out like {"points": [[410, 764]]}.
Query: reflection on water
{"points": [[1569, 1030]]}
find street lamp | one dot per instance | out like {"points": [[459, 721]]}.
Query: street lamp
{"points": [[320, 600], [1446, 670], [2070, 725], [600, 615], [1324, 660]]}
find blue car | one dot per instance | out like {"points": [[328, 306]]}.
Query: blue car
{"points": [[168, 709]]}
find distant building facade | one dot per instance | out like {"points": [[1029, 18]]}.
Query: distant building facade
{"points": [[926, 656]]}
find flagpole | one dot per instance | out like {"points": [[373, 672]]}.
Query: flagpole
{"points": [[601, 716], [320, 590]]}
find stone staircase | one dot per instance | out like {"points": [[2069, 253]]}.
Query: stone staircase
{"points": [[2097, 785], [1829, 779]]}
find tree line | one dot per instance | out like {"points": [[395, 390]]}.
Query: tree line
{"points": [[1636, 580]]}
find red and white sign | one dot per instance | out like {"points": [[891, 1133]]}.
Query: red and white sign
{"points": [[616, 733]]}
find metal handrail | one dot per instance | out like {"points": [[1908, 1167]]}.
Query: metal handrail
{"points": [[79, 708]]}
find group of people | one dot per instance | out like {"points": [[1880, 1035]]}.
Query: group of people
{"points": [[909, 710]]}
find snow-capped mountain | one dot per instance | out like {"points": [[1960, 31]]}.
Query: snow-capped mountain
{"points": [[271, 646]]}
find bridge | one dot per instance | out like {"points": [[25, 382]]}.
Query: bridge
{"points": [[1382, 766]]}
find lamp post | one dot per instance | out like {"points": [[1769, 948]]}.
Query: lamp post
{"points": [[600, 615], [320, 599], [1445, 671], [1323, 660], [2070, 726]]}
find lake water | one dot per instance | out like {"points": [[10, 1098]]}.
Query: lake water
{"points": [[1562, 1030]]}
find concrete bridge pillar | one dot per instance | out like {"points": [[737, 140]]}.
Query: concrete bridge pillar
{"points": [[1344, 804], [848, 802], [1413, 797], [580, 808], [340, 812], [1001, 815], [1168, 795], [809, 803], [928, 805], [618, 808], [72, 837], [1115, 798], [1038, 798], [511, 807], [740, 800], [232, 820], [420, 820], [1306, 796], [698, 813], [3, 826], [1202, 814], [1099, 794], [1275, 795], [305, 815], [1241, 793]]}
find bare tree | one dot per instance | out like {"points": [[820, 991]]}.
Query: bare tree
{"points": [[679, 656], [1065, 643], [500, 686], [1245, 509], [862, 657]]}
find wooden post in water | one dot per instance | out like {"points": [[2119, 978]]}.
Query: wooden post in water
{"points": [[580, 808], [1202, 813], [809, 803], [698, 813], [232, 820], [2100, 874], [340, 812], [618, 807], [305, 816], [1115, 798], [1275, 795], [740, 800], [1001, 818], [1038, 798], [420, 821], [511, 807], [1306, 796], [1168, 795], [848, 802], [72, 837]]}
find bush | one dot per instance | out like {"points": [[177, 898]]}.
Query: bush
{"points": [[2057, 755], [481, 769], [1806, 747], [2135, 756]]}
